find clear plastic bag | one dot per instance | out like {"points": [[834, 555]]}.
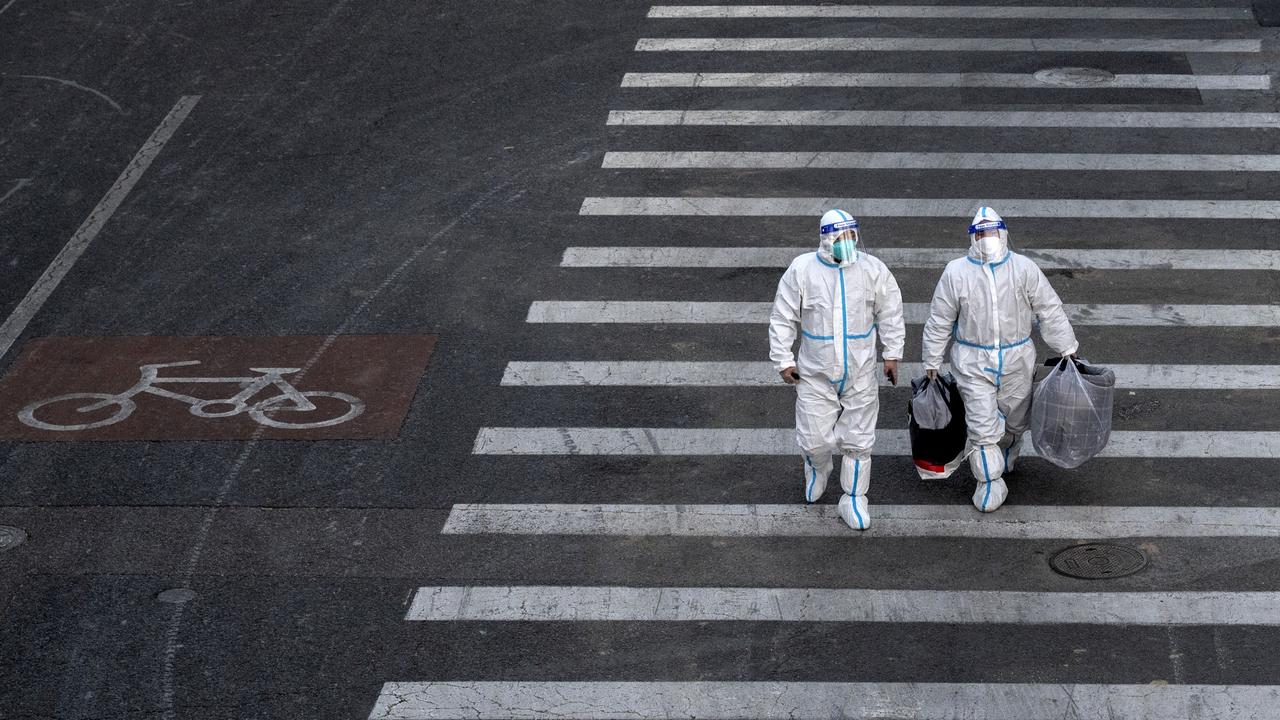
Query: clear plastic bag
{"points": [[1071, 412], [936, 424]]}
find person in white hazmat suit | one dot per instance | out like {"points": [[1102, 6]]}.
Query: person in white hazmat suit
{"points": [[986, 304], [836, 301]]}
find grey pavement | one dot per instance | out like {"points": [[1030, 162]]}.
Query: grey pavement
{"points": [[402, 169]]}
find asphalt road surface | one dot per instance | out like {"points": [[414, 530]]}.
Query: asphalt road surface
{"points": [[404, 359]]}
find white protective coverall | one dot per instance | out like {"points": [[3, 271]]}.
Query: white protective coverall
{"points": [[987, 302], [837, 308]]}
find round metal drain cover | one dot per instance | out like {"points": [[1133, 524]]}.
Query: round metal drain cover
{"points": [[11, 537], [1074, 76], [1096, 561]]}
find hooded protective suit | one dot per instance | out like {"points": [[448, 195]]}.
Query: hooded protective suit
{"points": [[837, 301], [987, 302]]}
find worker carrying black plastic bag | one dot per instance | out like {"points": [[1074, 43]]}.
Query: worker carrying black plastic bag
{"points": [[937, 426], [1071, 411]]}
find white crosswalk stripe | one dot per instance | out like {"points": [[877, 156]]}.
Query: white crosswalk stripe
{"points": [[760, 100], [1018, 522], [934, 207], [826, 160], [936, 80], [623, 373], [694, 604], [967, 12], [680, 312], [967, 45], [782, 442], [948, 118], [931, 258], [783, 700]]}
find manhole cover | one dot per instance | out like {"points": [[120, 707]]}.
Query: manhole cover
{"points": [[1074, 76], [11, 537], [1098, 560]]}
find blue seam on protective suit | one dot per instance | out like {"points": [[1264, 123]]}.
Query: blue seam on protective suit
{"points": [[824, 262], [1003, 346], [844, 319], [811, 336], [857, 468], [808, 494], [987, 474]]}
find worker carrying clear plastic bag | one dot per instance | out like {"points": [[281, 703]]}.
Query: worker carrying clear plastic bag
{"points": [[936, 423], [1071, 411]]}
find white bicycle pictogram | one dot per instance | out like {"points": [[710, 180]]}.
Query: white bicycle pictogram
{"points": [[289, 400]]}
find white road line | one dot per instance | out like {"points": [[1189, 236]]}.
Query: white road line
{"points": [[1020, 522], [967, 12], [824, 160], [937, 80], [946, 118], [936, 44], [18, 184], [92, 225], [781, 700], [935, 258], [662, 373], [934, 207], [680, 312], [541, 603], [1213, 444]]}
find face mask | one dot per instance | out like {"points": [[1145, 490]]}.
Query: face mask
{"points": [[843, 250], [989, 246]]}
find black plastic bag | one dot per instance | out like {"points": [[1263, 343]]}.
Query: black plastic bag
{"points": [[936, 420], [1071, 412]]}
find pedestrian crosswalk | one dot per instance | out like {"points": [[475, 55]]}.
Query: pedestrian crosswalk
{"points": [[736, 116]]}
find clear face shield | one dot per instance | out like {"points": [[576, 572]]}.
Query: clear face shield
{"points": [[990, 239], [842, 238]]}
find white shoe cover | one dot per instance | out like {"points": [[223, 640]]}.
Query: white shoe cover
{"points": [[1011, 455], [990, 495], [854, 511], [815, 479], [987, 463]]}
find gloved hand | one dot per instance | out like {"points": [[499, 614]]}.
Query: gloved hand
{"points": [[891, 370], [790, 376], [932, 374]]}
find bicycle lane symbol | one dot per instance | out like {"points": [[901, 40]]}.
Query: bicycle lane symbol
{"points": [[293, 408], [212, 388]]}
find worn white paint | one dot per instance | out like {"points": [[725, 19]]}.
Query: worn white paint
{"points": [[1020, 522], [786, 700], [682, 312], [48, 281], [948, 118], [933, 207], [830, 160], [674, 373], [937, 80], [17, 185], [782, 442], [952, 44], [935, 258]]}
